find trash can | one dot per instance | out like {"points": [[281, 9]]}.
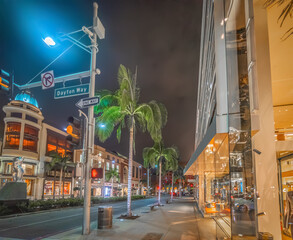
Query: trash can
{"points": [[104, 217], [265, 236]]}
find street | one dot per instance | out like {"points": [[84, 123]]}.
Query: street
{"points": [[45, 224]]}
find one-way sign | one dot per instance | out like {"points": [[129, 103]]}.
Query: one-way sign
{"points": [[87, 102]]}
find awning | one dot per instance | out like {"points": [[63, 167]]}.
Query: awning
{"points": [[211, 132]]}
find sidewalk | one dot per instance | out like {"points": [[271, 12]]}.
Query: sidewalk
{"points": [[176, 221]]}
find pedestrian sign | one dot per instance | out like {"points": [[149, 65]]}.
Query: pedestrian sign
{"points": [[47, 80], [71, 91]]}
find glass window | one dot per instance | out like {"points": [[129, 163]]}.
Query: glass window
{"points": [[107, 166], [58, 143], [100, 164], [137, 172], [30, 139], [12, 135], [16, 115], [133, 171], [29, 169], [117, 168], [30, 118], [8, 168], [113, 166]]}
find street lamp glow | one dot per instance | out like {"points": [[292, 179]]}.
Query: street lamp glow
{"points": [[102, 125], [49, 41]]}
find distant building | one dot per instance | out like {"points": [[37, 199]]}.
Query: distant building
{"points": [[108, 160]]}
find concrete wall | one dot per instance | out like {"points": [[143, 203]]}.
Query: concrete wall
{"points": [[265, 163]]}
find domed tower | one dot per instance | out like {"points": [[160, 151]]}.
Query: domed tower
{"points": [[23, 124]]}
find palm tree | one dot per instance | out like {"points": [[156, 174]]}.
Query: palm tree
{"points": [[172, 166], [148, 164], [159, 154], [110, 175], [122, 109], [58, 161], [179, 175], [287, 11]]}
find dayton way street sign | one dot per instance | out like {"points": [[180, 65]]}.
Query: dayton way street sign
{"points": [[71, 91], [87, 102], [47, 80]]}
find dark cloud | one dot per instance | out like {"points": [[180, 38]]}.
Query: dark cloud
{"points": [[161, 37]]}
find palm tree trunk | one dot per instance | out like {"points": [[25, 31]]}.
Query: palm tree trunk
{"points": [[63, 178], [112, 187], [172, 187], [54, 184], [60, 182], [160, 181], [148, 179], [129, 213]]}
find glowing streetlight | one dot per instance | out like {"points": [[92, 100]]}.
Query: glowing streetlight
{"points": [[49, 41], [102, 125]]}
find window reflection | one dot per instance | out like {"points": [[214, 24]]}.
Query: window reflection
{"points": [[30, 140]]}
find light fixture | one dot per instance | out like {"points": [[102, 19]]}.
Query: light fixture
{"points": [[49, 41]]}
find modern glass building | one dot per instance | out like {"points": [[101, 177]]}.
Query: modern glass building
{"points": [[243, 141]]}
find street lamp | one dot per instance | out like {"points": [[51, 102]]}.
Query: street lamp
{"points": [[102, 125], [49, 41], [97, 30]]}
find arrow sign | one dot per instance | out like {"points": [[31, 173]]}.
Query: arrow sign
{"points": [[87, 102]]}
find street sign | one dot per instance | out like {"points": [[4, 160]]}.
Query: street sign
{"points": [[71, 91], [87, 102], [47, 80]]}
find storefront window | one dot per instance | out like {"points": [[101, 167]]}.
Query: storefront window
{"points": [[7, 168], [12, 135], [30, 140], [49, 187], [107, 166]]}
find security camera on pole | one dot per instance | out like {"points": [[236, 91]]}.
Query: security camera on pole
{"points": [[99, 30]]}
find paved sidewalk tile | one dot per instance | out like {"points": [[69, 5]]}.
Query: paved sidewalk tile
{"points": [[176, 221]]}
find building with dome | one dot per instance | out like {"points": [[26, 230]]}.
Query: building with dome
{"points": [[27, 135]]}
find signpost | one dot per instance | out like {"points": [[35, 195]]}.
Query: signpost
{"points": [[71, 91], [47, 80], [87, 102]]}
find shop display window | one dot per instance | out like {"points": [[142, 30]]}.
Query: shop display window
{"points": [[12, 135], [29, 169], [7, 168], [30, 140], [49, 187]]}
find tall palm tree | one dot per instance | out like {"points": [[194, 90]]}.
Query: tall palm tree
{"points": [[122, 109], [172, 166], [179, 175], [110, 175], [159, 154], [59, 161]]}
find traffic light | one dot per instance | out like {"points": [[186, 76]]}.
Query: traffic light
{"points": [[6, 82], [96, 173], [74, 129]]}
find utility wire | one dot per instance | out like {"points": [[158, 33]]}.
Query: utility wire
{"points": [[60, 55]]}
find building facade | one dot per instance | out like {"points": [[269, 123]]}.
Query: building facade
{"points": [[243, 141], [108, 160], [27, 136]]}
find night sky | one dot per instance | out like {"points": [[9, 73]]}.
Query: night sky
{"points": [[160, 37]]}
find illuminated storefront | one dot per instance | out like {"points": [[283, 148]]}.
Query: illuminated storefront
{"points": [[243, 144]]}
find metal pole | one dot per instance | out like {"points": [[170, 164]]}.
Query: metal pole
{"points": [[84, 147], [91, 130]]}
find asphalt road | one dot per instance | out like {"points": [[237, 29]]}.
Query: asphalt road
{"points": [[45, 224]]}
